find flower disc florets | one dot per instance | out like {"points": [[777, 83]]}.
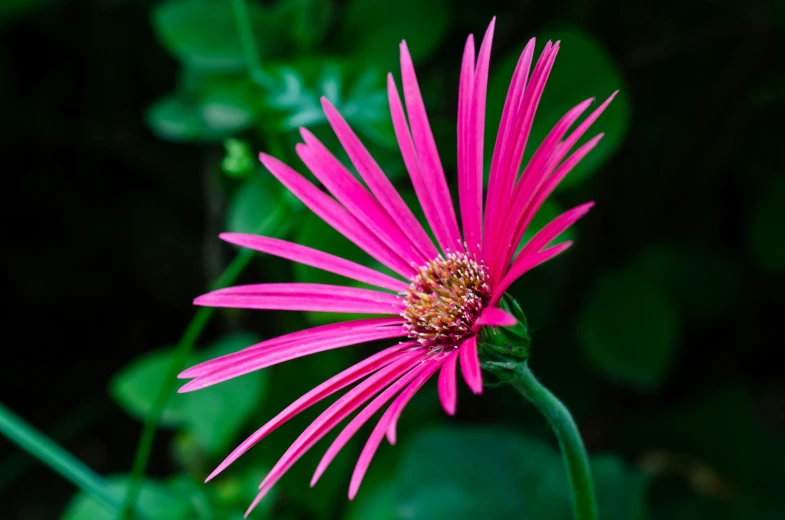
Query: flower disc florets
{"points": [[445, 299]]}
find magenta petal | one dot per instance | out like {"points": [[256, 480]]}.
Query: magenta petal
{"points": [[494, 317], [315, 258], [554, 228], [522, 264], [338, 411], [378, 182], [470, 365], [331, 330], [354, 197], [361, 418], [336, 215], [329, 387], [387, 424], [448, 391], [303, 297], [433, 174], [257, 360]]}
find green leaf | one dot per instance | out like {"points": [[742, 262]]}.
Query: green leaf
{"points": [[372, 30], [213, 415], [765, 228], [156, 501], [467, 473], [699, 281], [628, 329], [203, 33], [254, 200], [238, 161], [306, 21], [206, 108], [583, 69]]}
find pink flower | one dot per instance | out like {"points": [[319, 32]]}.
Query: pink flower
{"points": [[442, 295]]}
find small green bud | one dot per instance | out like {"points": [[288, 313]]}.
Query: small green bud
{"points": [[239, 161]]}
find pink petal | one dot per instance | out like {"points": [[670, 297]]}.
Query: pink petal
{"points": [[494, 317], [470, 365], [387, 423], [336, 216], [329, 387], [467, 189], [433, 173], [354, 197], [378, 182], [448, 391], [257, 360], [409, 154], [303, 297], [523, 264], [338, 411], [554, 228], [315, 258], [361, 418], [333, 329]]}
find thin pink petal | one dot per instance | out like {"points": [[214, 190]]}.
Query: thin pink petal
{"points": [[387, 423], [378, 182], [257, 360], [448, 390], [329, 387], [523, 264], [467, 189], [336, 216], [554, 228], [426, 151], [494, 317], [354, 197], [470, 365], [303, 297], [338, 411], [330, 330], [315, 258], [361, 418], [415, 169]]}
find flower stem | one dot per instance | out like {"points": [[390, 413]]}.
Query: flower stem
{"points": [[584, 503], [56, 457]]}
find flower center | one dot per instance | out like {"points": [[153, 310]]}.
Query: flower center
{"points": [[445, 299]]}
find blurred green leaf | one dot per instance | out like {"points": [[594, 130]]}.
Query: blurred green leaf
{"points": [[203, 33], [699, 281], [372, 30], [582, 70], [468, 473], [155, 500], [207, 108], [12, 9], [628, 329], [766, 228], [213, 415], [254, 201]]}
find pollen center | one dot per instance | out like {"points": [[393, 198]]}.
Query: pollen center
{"points": [[445, 299]]}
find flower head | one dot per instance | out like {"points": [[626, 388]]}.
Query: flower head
{"points": [[443, 293]]}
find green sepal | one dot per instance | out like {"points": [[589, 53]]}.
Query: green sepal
{"points": [[503, 350]]}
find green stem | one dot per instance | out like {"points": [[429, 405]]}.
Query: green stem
{"points": [[181, 353], [576, 461], [53, 455]]}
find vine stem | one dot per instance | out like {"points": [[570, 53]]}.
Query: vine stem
{"points": [[181, 352], [576, 462]]}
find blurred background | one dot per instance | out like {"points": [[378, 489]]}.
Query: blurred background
{"points": [[132, 129]]}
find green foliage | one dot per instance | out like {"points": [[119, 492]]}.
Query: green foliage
{"points": [[253, 202], [238, 162], [156, 500], [203, 414], [480, 472], [628, 329], [372, 30], [583, 69]]}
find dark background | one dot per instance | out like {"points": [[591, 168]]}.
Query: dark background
{"points": [[661, 329]]}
